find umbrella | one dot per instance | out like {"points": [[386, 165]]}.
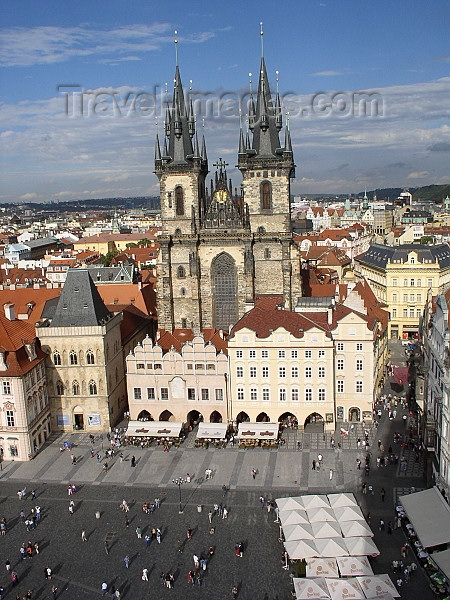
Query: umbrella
{"points": [[293, 517], [321, 567], [339, 500], [311, 589], [361, 546], [320, 514], [315, 501], [326, 529], [376, 585], [348, 513], [331, 547], [342, 589], [289, 503], [301, 549], [352, 566], [298, 532], [355, 529]]}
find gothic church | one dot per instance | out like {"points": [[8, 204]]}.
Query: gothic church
{"points": [[219, 250]]}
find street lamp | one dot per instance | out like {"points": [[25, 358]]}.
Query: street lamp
{"points": [[179, 482]]}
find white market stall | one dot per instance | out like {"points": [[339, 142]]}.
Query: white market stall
{"points": [[212, 431], [254, 434], [146, 433], [354, 566], [322, 567]]}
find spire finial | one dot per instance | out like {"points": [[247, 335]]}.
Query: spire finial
{"points": [[250, 83], [176, 47], [190, 85], [261, 33], [277, 79]]}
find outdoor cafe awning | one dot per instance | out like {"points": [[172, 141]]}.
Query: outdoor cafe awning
{"points": [[429, 514], [258, 431], [216, 431], [157, 429]]}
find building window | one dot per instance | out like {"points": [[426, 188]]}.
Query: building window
{"points": [[340, 364], [413, 283], [191, 394], [253, 394], [294, 353], [405, 312], [430, 283], [183, 323], [359, 386], [281, 372], [59, 388], [10, 418], [181, 272], [322, 395], [265, 372], [150, 393], [394, 282], [308, 372], [321, 372], [394, 297], [394, 313], [405, 297], [308, 353], [92, 388], [405, 283], [282, 395], [266, 395], [411, 297], [419, 283], [164, 392], [199, 366], [411, 312], [205, 394], [252, 354], [308, 395], [359, 347], [266, 195], [418, 313], [90, 357], [75, 388], [6, 387], [179, 201], [140, 366], [264, 354], [294, 372], [239, 372], [253, 372], [321, 353], [294, 395], [281, 353], [219, 395], [340, 386], [73, 359], [224, 280], [240, 394], [56, 358], [359, 364], [267, 253], [239, 354], [419, 297], [340, 347]]}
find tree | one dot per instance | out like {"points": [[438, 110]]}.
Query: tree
{"points": [[107, 258]]}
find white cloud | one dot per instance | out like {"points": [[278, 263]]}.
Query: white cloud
{"points": [[330, 73], [418, 175]]}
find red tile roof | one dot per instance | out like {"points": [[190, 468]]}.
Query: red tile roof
{"points": [[180, 336]]}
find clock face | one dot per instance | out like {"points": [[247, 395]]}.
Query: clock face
{"points": [[221, 196]]}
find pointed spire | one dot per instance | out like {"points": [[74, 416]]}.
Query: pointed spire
{"points": [[203, 154], [261, 33], [196, 148], [157, 149], [241, 142], [166, 151], [287, 138], [278, 114], [191, 116], [251, 106]]}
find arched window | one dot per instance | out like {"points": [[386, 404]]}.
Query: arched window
{"points": [[223, 271], [267, 253], [75, 388], [181, 272], [90, 360], [261, 230], [183, 292], [183, 323], [56, 357], [92, 388], [266, 195], [73, 358], [177, 231], [59, 388], [179, 201]]}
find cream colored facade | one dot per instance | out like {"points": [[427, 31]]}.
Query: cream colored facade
{"points": [[306, 377], [186, 386]]}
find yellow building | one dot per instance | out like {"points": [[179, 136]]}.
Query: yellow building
{"points": [[401, 276]]}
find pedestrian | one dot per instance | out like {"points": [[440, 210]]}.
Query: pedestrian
{"points": [[180, 546], [7, 566], [83, 536], [104, 588], [126, 561], [331, 474], [399, 583], [196, 561], [33, 494], [106, 547], [121, 457], [147, 540], [157, 502], [313, 465], [234, 591], [71, 507], [224, 490], [2, 590], [138, 532], [54, 591], [29, 594], [253, 473], [133, 461], [381, 525], [158, 535], [383, 494], [144, 575], [188, 478], [210, 516], [406, 574], [48, 573], [320, 459], [127, 522], [225, 513], [189, 533], [389, 527]]}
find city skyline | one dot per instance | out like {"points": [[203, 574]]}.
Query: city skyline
{"points": [[366, 88]]}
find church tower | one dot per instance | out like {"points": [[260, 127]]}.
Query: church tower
{"points": [[220, 249]]}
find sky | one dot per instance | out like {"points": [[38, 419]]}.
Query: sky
{"points": [[365, 88]]}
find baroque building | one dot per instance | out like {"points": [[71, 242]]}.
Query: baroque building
{"points": [[220, 249]]}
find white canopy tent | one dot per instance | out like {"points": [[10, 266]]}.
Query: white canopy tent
{"points": [[315, 501], [216, 431], [290, 503], [293, 517], [159, 429], [442, 559], [326, 529], [311, 589], [375, 585], [361, 546], [344, 499], [355, 529], [348, 513], [257, 431], [320, 514], [429, 514], [354, 566], [331, 547], [343, 589], [298, 549], [298, 532], [321, 567]]}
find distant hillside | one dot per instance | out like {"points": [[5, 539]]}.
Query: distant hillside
{"points": [[428, 193]]}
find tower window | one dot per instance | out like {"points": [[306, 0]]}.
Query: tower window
{"points": [[179, 201], [181, 272], [266, 195], [267, 253]]}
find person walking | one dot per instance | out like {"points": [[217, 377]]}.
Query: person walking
{"points": [[225, 513], [144, 575], [71, 507], [106, 547], [234, 591], [254, 473], [83, 536], [138, 532], [383, 494], [331, 474], [313, 465], [133, 461], [54, 592], [104, 588], [126, 561], [158, 535], [210, 516]]}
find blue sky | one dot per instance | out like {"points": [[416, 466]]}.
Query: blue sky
{"points": [[330, 55]]}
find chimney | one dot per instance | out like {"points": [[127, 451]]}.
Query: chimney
{"points": [[330, 316], [9, 311]]}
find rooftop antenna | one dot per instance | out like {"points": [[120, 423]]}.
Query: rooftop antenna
{"points": [[176, 47], [261, 33]]}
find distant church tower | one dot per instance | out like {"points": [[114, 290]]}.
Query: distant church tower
{"points": [[220, 249]]}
